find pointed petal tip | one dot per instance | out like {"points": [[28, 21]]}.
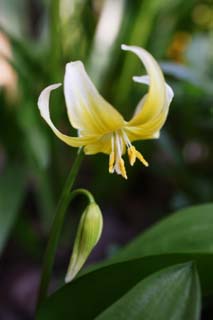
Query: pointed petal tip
{"points": [[124, 47], [71, 64], [141, 79], [136, 78], [50, 87], [68, 278]]}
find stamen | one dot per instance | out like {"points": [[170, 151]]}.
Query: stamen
{"points": [[132, 155], [119, 165], [119, 146], [141, 158], [132, 152], [111, 162], [126, 139], [112, 156], [122, 168]]}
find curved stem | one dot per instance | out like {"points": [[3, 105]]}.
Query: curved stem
{"points": [[84, 192], [55, 231]]}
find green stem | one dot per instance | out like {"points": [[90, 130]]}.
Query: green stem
{"points": [[85, 193], [56, 228]]}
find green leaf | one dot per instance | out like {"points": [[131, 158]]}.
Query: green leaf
{"points": [[173, 293], [87, 296], [186, 231], [12, 186]]}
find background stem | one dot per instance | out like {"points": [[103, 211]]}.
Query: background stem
{"points": [[55, 38], [57, 225]]}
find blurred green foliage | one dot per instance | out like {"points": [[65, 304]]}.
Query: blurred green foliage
{"points": [[43, 36], [51, 33]]}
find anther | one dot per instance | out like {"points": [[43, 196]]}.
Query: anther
{"points": [[132, 155], [122, 168], [141, 158]]}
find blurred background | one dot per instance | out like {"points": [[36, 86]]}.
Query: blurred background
{"points": [[37, 38]]}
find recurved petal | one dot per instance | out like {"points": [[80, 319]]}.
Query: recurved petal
{"points": [[43, 105], [146, 80], [87, 109], [155, 99]]}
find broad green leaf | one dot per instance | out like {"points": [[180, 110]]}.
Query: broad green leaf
{"points": [[87, 296], [188, 230], [173, 293], [12, 186]]}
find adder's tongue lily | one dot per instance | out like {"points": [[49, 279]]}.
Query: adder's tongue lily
{"points": [[101, 128]]}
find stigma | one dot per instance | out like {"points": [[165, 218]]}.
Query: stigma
{"points": [[119, 144]]}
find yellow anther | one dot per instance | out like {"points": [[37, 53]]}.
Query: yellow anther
{"points": [[122, 168], [111, 162], [141, 158], [132, 155]]}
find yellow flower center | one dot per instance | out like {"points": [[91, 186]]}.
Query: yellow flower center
{"points": [[120, 141]]}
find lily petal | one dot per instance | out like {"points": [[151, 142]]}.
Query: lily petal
{"points": [[43, 104], [155, 99], [150, 129], [87, 109], [102, 145], [146, 80]]}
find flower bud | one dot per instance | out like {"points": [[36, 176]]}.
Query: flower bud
{"points": [[88, 234]]}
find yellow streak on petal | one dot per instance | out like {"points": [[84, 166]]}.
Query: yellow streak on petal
{"points": [[122, 168]]}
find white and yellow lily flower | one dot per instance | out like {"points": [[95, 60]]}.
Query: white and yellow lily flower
{"points": [[101, 128]]}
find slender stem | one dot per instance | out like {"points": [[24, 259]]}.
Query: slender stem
{"points": [[55, 231]]}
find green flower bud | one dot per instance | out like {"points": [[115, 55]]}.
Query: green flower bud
{"points": [[88, 234]]}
